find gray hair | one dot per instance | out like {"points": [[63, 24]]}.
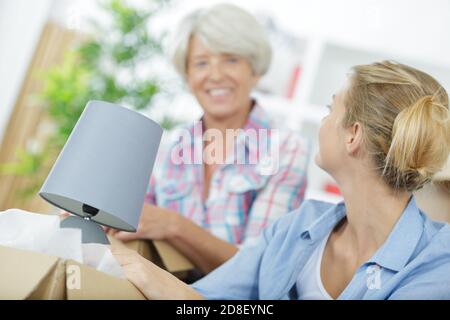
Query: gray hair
{"points": [[223, 28]]}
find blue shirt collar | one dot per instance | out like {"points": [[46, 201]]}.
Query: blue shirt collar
{"points": [[322, 226], [398, 248]]}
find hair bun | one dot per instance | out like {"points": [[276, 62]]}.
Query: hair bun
{"points": [[419, 136]]}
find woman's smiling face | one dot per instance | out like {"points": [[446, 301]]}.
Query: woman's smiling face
{"points": [[221, 82]]}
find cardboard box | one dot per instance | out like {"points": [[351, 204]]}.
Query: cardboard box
{"points": [[31, 275], [160, 253]]}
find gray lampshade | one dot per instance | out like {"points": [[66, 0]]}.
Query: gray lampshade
{"points": [[105, 165]]}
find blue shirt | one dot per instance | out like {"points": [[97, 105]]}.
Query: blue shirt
{"points": [[413, 263]]}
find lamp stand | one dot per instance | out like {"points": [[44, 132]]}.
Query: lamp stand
{"points": [[91, 231]]}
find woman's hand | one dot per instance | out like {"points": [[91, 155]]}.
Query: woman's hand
{"points": [[63, 214], [155, 224], [152, 281]]}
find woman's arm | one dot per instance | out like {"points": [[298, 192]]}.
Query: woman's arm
{"points": [[237, 279], [152, 281], [203, 249]]}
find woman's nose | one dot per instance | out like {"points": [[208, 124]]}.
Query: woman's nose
{"points": [[215, 72]]}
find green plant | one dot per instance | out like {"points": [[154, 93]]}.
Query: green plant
{"points": [[93, 71]]}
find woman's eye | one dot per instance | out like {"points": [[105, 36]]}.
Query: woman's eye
{"points": [[232, 60], [329, 107], [200, 63]]}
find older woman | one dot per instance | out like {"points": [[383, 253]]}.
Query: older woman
{"points": [[387, 134], [207, 209]]}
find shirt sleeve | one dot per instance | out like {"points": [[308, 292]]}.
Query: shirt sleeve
{"points": [[284, 190], [238, 278]]}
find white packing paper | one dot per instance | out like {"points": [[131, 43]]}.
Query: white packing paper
{"points": [[99, 255], [42, 233]]}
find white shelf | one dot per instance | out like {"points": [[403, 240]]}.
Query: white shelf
{"points": [[337, 59], [291, 109], [313, 113]]}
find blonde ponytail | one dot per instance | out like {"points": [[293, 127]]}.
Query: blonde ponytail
{"points": [[405, 116], [420, 134]]}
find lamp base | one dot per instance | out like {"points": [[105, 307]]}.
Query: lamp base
{"points": [[91, 232]]}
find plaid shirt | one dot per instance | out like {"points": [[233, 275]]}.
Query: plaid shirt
{"points": [[242, 200]]}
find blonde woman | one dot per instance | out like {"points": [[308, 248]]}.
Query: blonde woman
{"points": [[387, 133], [208, 209]]}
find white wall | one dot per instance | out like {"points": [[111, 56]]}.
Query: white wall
{"points": [[416, 29], [21, 22], [410, 28]]}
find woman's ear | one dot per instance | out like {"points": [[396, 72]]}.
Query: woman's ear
{"points": [[354, 138]]}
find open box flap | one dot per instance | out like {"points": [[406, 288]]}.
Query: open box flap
{"points": [[22, 272], [86, 283], [171, 257]]}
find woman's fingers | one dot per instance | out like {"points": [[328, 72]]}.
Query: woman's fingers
{"points": [[133, 265], [121, 250], [63, 214], [112, 231], [124, 255], [126, 236], [152, 281]]}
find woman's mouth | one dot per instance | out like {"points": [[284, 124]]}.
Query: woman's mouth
{"points": [[219, 94]]}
